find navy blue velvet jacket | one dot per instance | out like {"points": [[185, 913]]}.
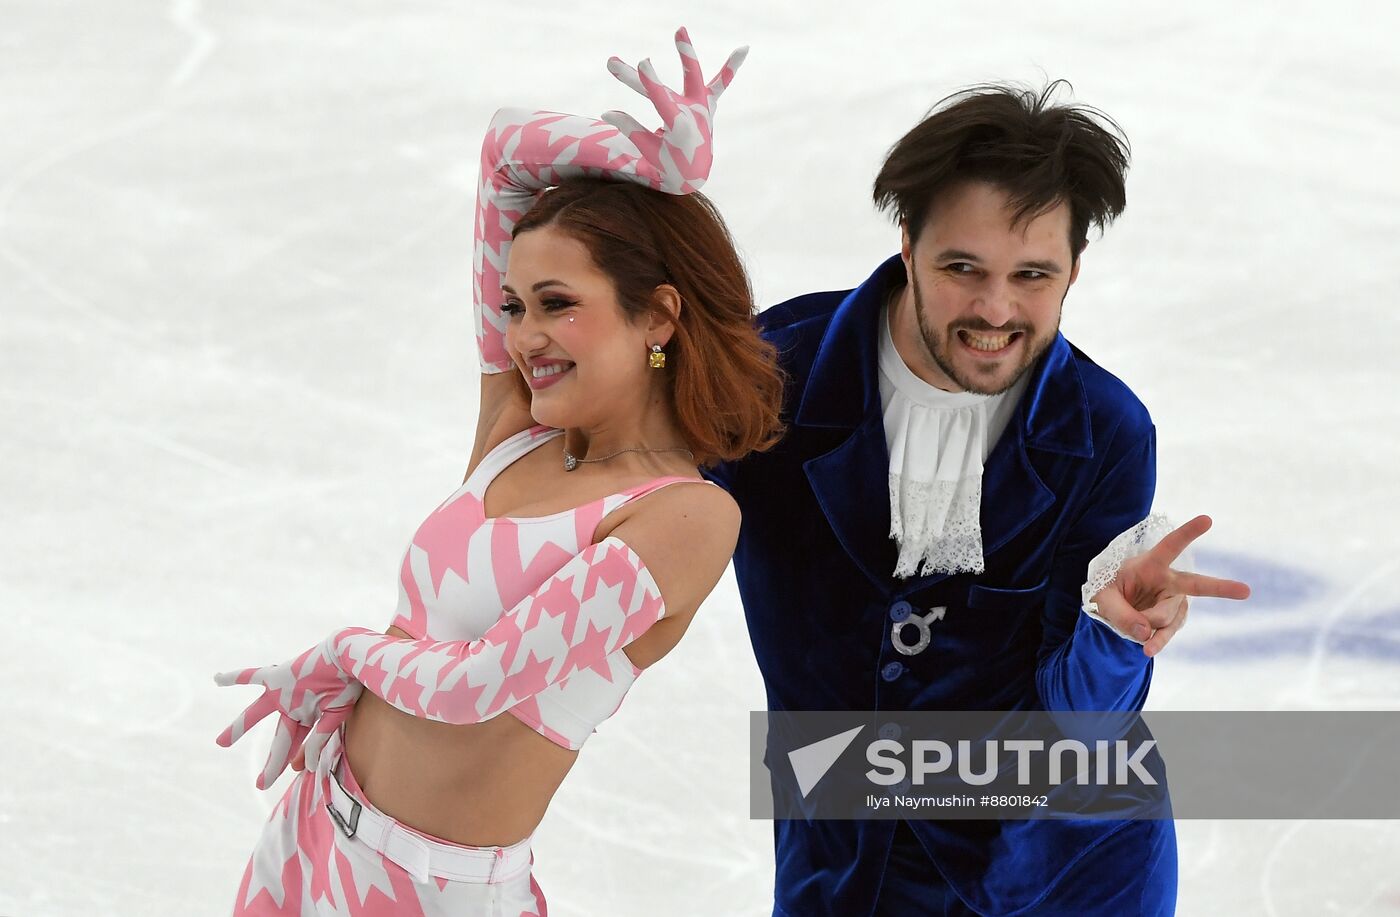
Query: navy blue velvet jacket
{"points": [[1074, 468]]}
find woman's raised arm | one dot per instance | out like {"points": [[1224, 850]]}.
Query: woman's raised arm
{"points": [[525, 152]]}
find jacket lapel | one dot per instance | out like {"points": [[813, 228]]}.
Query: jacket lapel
{"points": [[851, 481], [1053, 416]]}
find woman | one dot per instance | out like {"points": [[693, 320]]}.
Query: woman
{"points": [[620, 356]]}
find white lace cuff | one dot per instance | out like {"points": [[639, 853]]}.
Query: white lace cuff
{"points": [[1103, 569]]}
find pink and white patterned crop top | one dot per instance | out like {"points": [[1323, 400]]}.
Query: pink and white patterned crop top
{"points": [[462, 571]]}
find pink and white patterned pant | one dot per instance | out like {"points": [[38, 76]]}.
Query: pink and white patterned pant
{"points": [[307, 862]]}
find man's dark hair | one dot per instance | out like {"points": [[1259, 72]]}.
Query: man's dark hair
{"points": [[1038, 152]]}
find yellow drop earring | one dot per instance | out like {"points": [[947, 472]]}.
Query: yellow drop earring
{"points": [[657, 358]]}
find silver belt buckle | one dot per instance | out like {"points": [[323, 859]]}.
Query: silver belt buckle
{"points": [[922, 622], [350, 825]]}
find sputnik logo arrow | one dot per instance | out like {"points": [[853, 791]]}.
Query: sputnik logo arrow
{"points": [[811, 762]]}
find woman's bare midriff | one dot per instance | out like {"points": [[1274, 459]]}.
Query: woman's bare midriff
{"points": [[486, 784]]}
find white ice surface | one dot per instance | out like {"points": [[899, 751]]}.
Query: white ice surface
{"points": [[236, 369]]}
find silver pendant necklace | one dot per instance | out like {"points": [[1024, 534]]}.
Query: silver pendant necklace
{"points": [[571, 461]]}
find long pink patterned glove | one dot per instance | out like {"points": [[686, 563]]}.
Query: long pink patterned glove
{"points": [[599, 601], [525, 152], [311, 695]]}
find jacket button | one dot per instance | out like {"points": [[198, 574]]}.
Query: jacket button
{"points": [[900, 611], [892, 670], [890, 731]]}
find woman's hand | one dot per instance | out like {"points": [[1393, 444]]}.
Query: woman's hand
{"points": [[679, 155], [312, 696]]}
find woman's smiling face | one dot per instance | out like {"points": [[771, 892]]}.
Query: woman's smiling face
{"points": [[568, 335]]}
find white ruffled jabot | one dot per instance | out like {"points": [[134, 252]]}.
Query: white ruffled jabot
{"points": [[938, 442]]}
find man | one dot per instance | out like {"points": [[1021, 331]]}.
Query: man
{"points": [[948, 449]]}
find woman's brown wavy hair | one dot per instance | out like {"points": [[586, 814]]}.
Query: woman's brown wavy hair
{"points": [[725, 382]]}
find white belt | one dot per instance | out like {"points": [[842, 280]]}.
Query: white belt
{"points": [[417, 855]]}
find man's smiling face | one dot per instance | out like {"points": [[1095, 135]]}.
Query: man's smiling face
{"points": [[986, 291]]}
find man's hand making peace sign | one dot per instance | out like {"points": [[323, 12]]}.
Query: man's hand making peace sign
{"points": [[1147, 600]]}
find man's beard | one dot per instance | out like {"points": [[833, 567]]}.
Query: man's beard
{"points": [[939, 347]]}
